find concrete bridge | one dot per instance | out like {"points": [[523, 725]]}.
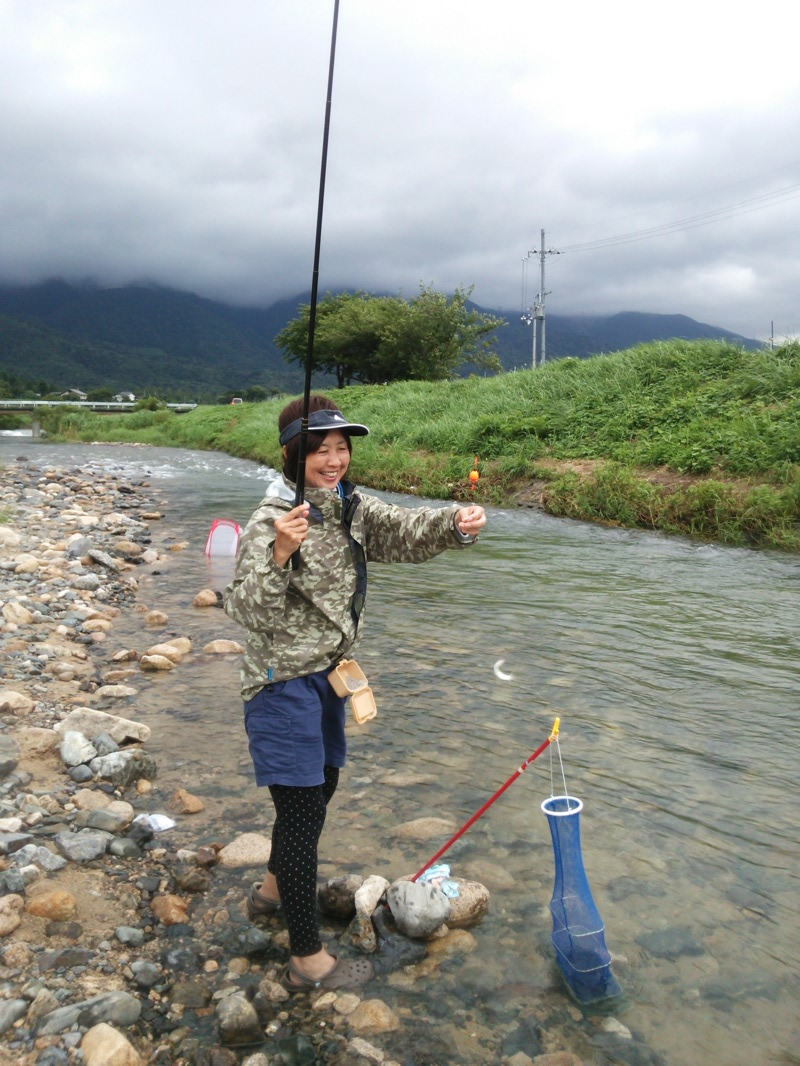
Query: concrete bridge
{"points": [[103, 407], [107, 407]]}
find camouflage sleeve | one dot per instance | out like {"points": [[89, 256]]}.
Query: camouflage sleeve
{"points": [[259, 585], [409, 534]]}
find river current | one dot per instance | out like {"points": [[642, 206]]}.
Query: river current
{"points": [[674, 667]]}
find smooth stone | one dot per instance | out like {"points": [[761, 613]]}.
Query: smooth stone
{"points": [[91, 722], [670, 943], [373, 1015], [238, 1022], [76, 749], [127, 934], [223, 647], [56, 905], [9, 755], [124, 767], [83, 846], [424, 829], [102, 1045], [11, 1010], [13, 702], [418, 909], [11, 908], [248, 849]]}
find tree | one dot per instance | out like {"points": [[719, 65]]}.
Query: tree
{"points": [[372, 339], [255, 394]]}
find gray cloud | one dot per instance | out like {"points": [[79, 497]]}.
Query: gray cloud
{"points": [[180, 143]]}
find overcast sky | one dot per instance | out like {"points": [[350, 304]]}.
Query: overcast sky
{"points": [[179, 142]]}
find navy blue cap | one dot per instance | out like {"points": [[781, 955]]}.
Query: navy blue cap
{"points": [[321, 422]]}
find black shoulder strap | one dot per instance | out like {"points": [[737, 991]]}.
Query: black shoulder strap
{"points": [[350, 505]]}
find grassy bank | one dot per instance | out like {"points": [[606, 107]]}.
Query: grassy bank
{"points": [[699, 438]]}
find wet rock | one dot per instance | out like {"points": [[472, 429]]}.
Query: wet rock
{"points": [[9, 755], [102, 1045], [456, 942], [76, 749], [183, 802], [115, 692], [238, 1022], [205, 598], [190, 992], [670, 943], [124, 767], [105, 819], [156, 663], [373, 1015], [166, 651], [116, 1008], [104, 743], [127, 934], [223, 647], [44, 858], [91, 722], [83, 846], [64, 958], [190, 879], [337, 897], [103, 559], [145, 974], [418, 909], [11, 842], [11, 1010], [156, 618], [424, 829], [169, 909], [394, 950], [469, 906], [297, 1050]]}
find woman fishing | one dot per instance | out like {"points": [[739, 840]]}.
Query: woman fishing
{"points": [[300, 623]]}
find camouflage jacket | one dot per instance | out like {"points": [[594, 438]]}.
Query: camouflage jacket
{"points": [[301, 621]]}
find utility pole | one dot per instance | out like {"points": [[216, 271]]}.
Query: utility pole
{"points": [[538, 312]]}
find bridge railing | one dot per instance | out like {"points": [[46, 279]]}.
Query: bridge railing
{"points": [[109, 406]]}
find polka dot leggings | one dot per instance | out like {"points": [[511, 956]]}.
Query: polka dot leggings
{"points": [[299, 818]]}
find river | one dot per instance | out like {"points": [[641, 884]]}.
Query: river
{"points": [[674, 667]]}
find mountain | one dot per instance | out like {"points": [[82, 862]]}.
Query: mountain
{"points": [[584, 335], [184, 347]]}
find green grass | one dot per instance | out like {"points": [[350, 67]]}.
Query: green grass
{"points": [[725, 418]]}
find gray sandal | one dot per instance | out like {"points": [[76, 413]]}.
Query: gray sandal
{"points": [[258, 906], [348, 973]]}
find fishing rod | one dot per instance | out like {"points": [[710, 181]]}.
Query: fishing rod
{"points": [[312, 312], [517, 773]]}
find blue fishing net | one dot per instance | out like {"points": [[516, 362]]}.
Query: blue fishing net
{"points": [[578, 932]]}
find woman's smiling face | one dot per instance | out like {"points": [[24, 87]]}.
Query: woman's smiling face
{"points": [[326, 467]]}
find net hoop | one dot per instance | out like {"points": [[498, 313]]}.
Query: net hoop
{"points": [[574, 806]]}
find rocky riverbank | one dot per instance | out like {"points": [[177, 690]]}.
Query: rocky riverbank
{"points": [[117, 949]]}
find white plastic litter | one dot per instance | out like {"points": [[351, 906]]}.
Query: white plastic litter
{"points": [[440, 875], [157, 822]]}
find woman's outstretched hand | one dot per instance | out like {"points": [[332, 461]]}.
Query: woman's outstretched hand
{"points": [[469, 520], [291, 530]]}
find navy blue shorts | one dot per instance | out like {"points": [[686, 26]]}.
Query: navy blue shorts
{"points": [[295, 728]]}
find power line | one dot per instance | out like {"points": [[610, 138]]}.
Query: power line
{"points": [[705, 218]]}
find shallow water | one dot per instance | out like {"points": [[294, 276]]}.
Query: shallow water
{"points": [[674, 669]]}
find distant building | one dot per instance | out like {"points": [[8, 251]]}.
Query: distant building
{"points": [[125, 397], [73, 394]]}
